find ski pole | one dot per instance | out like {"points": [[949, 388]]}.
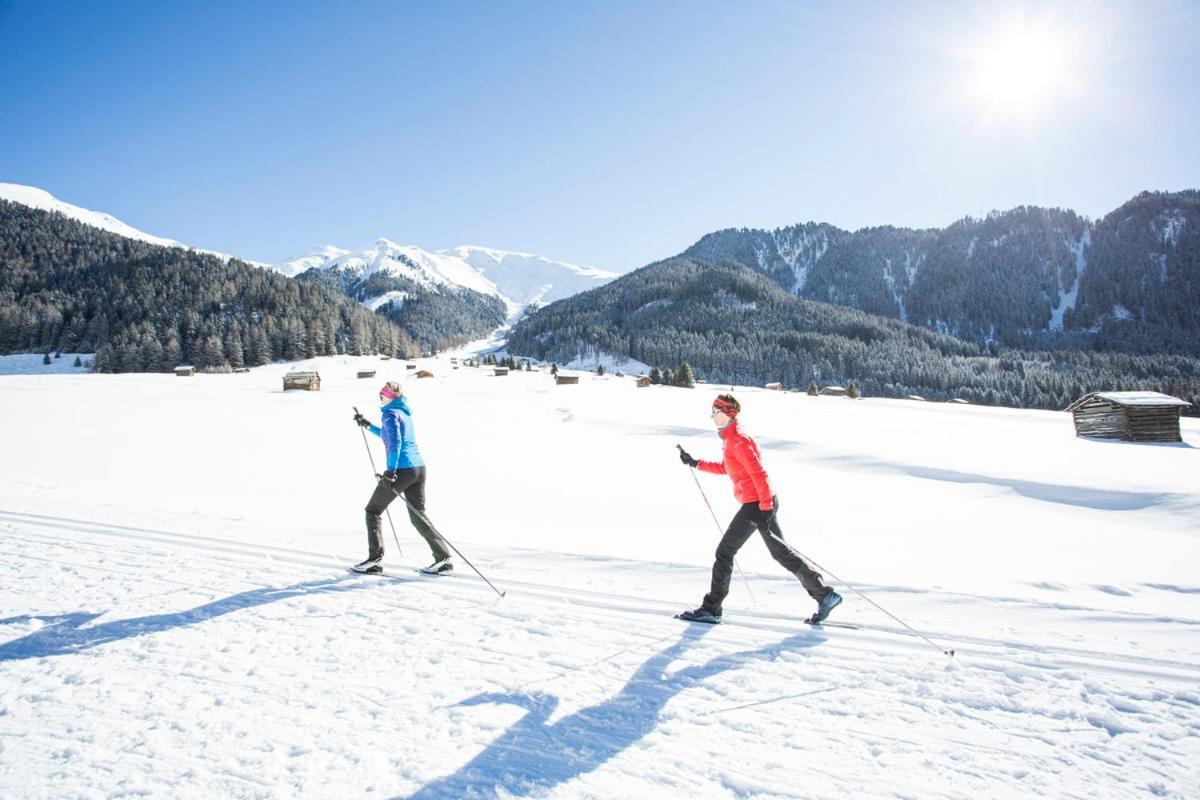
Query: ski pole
{"points": [[944, 650], [399, 549], [421, 514], [745, 580]]}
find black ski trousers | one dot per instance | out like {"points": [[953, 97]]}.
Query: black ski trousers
{"points": [[745, 522], [410, 483]]}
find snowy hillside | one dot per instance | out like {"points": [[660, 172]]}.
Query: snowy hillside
{"points": [[40, 199], [516, 278], [523, 278], [176, 619]]}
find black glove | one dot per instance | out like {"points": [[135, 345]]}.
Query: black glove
{"points": [[389, 475], [687, 459], [361, 421]]}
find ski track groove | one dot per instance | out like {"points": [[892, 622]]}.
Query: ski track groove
{"points": [[980, 650]]}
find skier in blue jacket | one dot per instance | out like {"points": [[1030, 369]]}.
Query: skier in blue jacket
{"points": [[405, 475]]}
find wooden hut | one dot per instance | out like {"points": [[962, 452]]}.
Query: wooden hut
{"points": [[833, 391], [566, 380], [241, 370], [501, 370], [410, 366], [1132, 416], [309, 381], [915, 397], [424, 373], [774, 387], [643, 381], [185, 372], [385, 358], [960, 401], [366, 373]]}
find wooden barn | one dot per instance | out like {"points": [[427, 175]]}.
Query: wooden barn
{"points": [[1132, 416], [410, 366], [643, 381], [916, 397], [960, 401], [501, 370], [185, 372], [566, 380], [241, 370], [366, 373], [309, 381], [774, 387], [424, 373], [833, 391]]}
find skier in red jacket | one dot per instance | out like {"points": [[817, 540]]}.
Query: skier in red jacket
{"points": [[752, 488]]}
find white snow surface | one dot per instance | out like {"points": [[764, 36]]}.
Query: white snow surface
{"points": [[41, 199], [31, 364], [176, 619]]}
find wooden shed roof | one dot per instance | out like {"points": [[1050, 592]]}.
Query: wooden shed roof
{"points": [[1143, 399]]}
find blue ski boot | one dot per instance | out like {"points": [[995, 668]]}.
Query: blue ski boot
{"points": [[699, 615], [827, 603]]}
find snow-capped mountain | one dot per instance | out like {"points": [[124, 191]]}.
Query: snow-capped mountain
{"points": [[518, 279], [40, 199], [523, 278], [318, 257]]}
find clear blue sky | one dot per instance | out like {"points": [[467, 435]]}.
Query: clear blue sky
{"points": [[607, 133]]}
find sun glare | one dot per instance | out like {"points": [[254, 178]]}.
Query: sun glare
{"points": [[1022, 70]]}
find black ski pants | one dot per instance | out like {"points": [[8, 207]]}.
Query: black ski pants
{"points": [[410, 483], [745, 522]]}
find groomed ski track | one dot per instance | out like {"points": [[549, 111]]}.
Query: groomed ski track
{"points": [[258, 560]]}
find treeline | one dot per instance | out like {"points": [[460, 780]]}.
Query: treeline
{"points": [[435, 318], [732, 324], [1000, 278], [69, 287]]}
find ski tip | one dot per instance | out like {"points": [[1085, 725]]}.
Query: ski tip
{"points": [[950, 653]]}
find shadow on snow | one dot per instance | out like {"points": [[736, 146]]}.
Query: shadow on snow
{"points": [[533, 756], [66, 633]]}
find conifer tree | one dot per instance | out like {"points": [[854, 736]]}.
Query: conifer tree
{"points": [[685, 377]]}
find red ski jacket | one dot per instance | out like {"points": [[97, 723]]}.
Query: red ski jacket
{"points": [[742, 463]]}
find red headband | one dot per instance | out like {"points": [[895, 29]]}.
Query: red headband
{"points": [[725, 407], [387, 392]]}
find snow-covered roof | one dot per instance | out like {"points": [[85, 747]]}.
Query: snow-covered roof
{"points": [[1138, 399], [1141, 398]]}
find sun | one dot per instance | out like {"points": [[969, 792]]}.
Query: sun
{"points": [[1022, 69]]}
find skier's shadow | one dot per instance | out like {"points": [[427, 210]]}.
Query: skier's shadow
{"points": [[533, 756], [65, 633]]}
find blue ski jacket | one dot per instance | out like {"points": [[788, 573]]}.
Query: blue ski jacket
{"points": [[399, 437]]}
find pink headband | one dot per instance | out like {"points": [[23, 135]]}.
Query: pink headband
{"points": [[387, 392]]}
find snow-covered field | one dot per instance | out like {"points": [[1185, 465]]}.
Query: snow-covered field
{"points": [[176, 619]]}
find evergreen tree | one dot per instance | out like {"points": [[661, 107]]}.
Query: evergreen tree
{"points": [[655, 376], [853, 391], [46, 358], [599, 369], [684, 377], [78, 362], [813, 391]]}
